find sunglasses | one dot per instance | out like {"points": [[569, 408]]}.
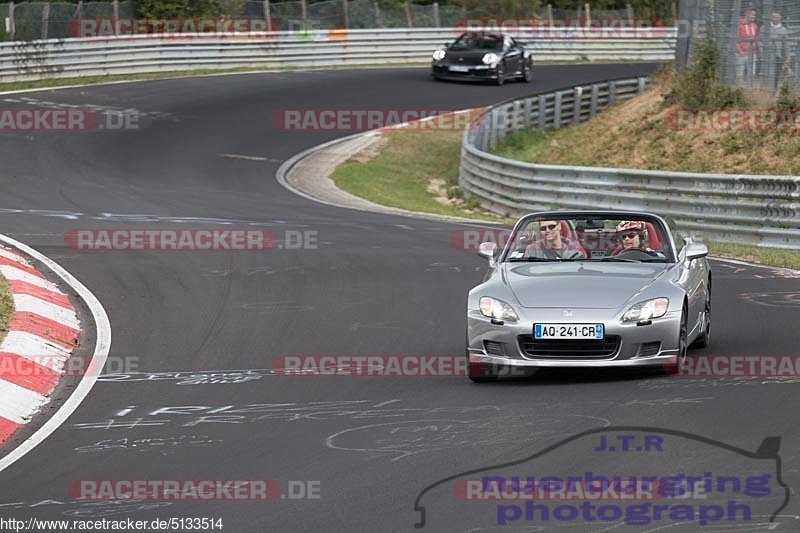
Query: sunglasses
{"points": [[631, 235], [550, 227]]}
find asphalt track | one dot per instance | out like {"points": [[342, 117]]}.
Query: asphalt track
{"points": [[377, 285]]}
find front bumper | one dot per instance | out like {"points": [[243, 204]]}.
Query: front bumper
{"points": [[475, 72], [631, 345]]}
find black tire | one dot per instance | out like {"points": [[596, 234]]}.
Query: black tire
{"points": [[527, 71], [501, 74], [683, 339], [704, 340]]}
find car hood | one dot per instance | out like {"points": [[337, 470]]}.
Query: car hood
{"points": [[466, 57], [579, 285]]}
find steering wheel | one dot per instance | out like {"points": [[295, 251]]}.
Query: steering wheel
{"points": [[636, 253]]}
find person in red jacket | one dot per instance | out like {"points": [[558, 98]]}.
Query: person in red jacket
{"points": [[747, 47]]}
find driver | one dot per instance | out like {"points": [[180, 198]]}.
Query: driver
{"points": [[632, 235], [554, 245]]}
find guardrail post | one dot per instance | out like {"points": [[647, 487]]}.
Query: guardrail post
{"points": [[595, 98], [115, 14], [304, 14], [436, 20], [11, 26], [557, 110], [612, 93], [515, 122], [542, 111], [528, 112], [377, 14], [45, 19], [576, 106], [407, 8], [642, 84], [346, 13], [493, 129]]}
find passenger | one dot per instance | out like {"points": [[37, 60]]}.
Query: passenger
{"points": [[632, 235], [554, 245]]}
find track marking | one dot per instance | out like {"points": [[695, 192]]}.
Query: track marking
{"points": [[101, 349], [251, 158]]}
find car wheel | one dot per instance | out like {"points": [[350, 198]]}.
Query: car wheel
{"points": [[527, 71], [704, 340], [683, 340], [501, 75]]}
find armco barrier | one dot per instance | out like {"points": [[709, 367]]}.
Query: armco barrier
{"points": [[758, 210], [61, 58]]}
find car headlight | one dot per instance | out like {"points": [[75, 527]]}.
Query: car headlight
{"points": [[438, 55], [497, 309], [489, 59], [643, 311]]}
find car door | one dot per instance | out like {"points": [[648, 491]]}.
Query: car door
{"points": [[695, 288], [513, 56]]}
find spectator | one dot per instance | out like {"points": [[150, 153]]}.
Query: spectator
{"points": [[778, 39], [746, 47]]}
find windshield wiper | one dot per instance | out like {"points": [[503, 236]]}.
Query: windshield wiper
{"points": [[614, 260], [531, 260]]}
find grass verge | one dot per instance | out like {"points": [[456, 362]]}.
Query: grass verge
{"points": [[6, 307], [753, 254], [415, 170]]}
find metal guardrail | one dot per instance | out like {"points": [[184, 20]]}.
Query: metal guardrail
{"points": [[60, 58], [747, 209]]}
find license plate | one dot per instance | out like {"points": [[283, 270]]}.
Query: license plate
{"points": [[568, 331], [459, 69]]}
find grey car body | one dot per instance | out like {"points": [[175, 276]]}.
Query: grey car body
{"points": [[589, 292]]}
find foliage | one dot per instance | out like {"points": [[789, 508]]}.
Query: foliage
{"points": [[697, 87]]}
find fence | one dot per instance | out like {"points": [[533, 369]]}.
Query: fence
{"points": [[41, 20], [757, 41], [757, 210], [22, 61]]}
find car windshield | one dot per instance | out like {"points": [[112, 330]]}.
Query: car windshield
{"points": [[632, 239], [478, 42]]}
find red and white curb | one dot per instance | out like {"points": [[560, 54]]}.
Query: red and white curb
{"points": [[42, 335]]}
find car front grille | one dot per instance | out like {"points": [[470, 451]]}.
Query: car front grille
{"points": [[569, 349]]}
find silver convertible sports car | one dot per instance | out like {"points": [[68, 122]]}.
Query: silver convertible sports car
{"points": [[588, 289]]}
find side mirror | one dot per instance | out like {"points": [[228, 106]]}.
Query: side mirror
{"points": [[696, 251], [446, 45], [487, 250]]}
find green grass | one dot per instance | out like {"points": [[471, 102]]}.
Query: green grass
{"points": [[752, 254], [400, 174], [6, 307]]}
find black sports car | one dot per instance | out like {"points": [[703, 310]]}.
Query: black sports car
{"points": [[483, 56]]}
